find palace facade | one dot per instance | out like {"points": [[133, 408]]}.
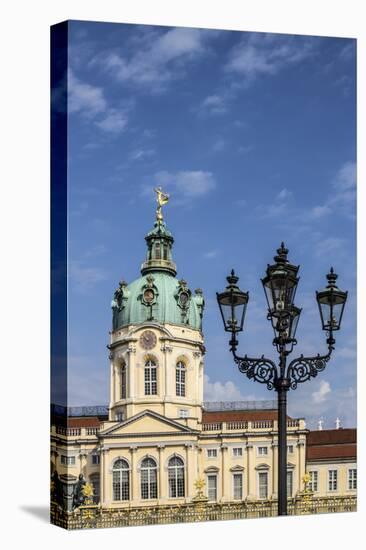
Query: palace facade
{"points": [[158, 445]]}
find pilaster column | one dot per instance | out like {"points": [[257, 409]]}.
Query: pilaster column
{"points": [[104, 477], [301, 464], [250, 472], [161, 481], [190, 469], [274, 469], [134, 495], [131, 371], [223, 473], [111, 388], [164, 380], [83, 456]]}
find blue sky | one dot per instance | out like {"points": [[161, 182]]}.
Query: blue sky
{"points": [[253, 135]]}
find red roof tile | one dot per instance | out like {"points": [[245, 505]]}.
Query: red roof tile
{"points": [[332, 437], [228, 416], [84, 422], [316, 452]]}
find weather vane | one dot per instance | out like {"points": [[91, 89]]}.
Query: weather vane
{"points": [[161, 198]]}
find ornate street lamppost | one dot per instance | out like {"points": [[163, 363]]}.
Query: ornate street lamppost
{"points": [[280, 283]]}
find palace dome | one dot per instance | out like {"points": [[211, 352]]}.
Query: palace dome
{"points": [[157, 295]]}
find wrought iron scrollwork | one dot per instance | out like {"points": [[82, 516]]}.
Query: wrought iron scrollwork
{"points": [[303, 368], [260, 369]]}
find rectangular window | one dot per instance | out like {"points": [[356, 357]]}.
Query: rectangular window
{"points": [[313, 483], [151, 387], [290, 449], [119, 416], [238, 486], [123, 382], [237, 451], [212, 487], [332, 480], [95, 459], [183, 413], [262, 451], [263, 485], [95, 481], [180, 379], [289, 484], [211, 453], [67, 460], [352, 478]]}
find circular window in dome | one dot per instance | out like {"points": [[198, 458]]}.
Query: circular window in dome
{"points": [[148, 296], [183, 298]]}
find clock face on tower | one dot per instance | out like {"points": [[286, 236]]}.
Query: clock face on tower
{"points": [[148, 339]]}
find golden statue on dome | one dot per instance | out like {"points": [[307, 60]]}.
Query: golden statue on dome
{"points": [[161, 198]]}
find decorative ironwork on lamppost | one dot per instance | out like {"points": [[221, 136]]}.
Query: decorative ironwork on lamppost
{"points": [[280, 284]]}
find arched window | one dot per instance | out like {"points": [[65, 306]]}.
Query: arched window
{"points": [[123, 381], [149, 479], [176, 477], [121, 480], [95, 481], [180, 379], [151, 387]]}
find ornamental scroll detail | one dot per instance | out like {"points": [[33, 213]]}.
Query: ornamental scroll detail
{"points": [[303, 368], [260, 369]]}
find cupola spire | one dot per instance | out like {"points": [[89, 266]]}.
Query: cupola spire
{"points": [[159, 242]]}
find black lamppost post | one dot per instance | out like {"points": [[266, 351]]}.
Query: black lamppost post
{"points": [[280, 284]]}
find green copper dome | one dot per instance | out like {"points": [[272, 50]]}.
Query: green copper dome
{"points": [[157, 295]]}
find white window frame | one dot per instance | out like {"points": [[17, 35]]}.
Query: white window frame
{"points": [[176, 474], [237, 475], [180, 378], [352, 479], [68, 460], [95, 459], [290, 449], [314, 483], [123, 381], [238, 451], [259, 473], [121, 481], [332, 483], [290, 474], [183, 413], [260, 448], [213, 451], [211, 475], [150, 377]]}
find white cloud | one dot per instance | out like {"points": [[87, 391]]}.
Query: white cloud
{"points": [[343, 195], [267, 54], [84, 98], [219, 145], [277, 207], [114, 121], [322, 393], [187, 184], [330, 245], [210, 254], [158, 61], [141, 154], [90, 102], [83, 277], [223, 391], [213, 104]]}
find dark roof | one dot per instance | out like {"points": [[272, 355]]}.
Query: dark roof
{"points": [[331, 444]]}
